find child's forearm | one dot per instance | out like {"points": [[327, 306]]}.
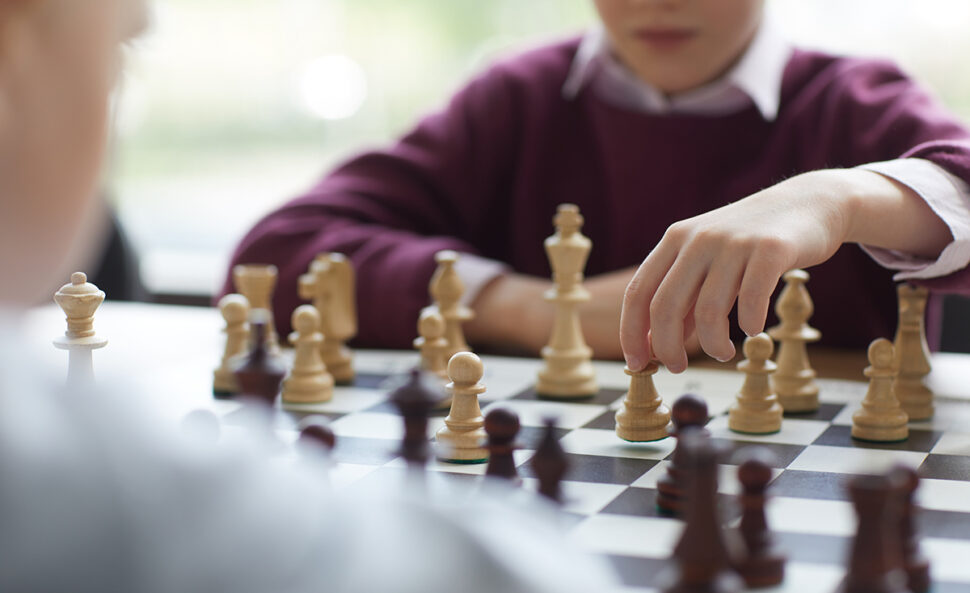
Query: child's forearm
{"points": [[883, 212]]}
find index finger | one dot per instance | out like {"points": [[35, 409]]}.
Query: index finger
{"points": [[635, 314]]}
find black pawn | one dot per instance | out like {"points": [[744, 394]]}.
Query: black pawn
{"points": [[702, 558], [414, 400], [259, 374], [501, 426], [688, 411], [916, 565], [549, 463], [874, 565], [316, 431], [761, 564]]}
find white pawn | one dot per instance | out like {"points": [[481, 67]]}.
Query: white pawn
{"points": [[446, 290], [462, 437], [756, 410], [308, 381], [643, 417], [881, 417], [912, 359], [235, 311], [79, 300], [433, 347], [794, 381]]}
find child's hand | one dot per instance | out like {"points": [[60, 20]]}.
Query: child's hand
{"points": [[702, 265]]}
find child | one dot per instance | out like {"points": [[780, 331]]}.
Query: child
{"points": [[671, 112], [97, 497]]}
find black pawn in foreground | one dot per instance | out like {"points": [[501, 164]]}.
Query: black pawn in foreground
{"points": [[916, 565], [316, 431], [702, 558], [688, 411], [761, 564], [260, 373], [501, 426], [549, 463], [415, 401], [875, 558]]}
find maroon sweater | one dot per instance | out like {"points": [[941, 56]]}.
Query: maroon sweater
{"points": [[485, 176]]}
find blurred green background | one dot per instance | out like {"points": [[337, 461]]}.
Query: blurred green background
{"points": [[230, 107]]}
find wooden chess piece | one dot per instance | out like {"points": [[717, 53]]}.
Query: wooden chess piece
{"points": [[79, 300], [257, 282], [881, 418], [259, 374], [756, 409], [549, 462], [794, 381], [309, 382], [873, 560], [568, 370], [761, 564], [431, 343], [915, 564], [643, 416], [702, 556], [461, 439], [446, 290], [315, 431], [235, 311], [912, 358], [688, 411], [415, 401], [502, 426], [330, 285]]}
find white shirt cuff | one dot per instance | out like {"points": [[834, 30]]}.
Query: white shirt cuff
{"points": [[949, 197], [475, 273]]}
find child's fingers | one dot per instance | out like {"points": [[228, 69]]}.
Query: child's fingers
{"points": [[635, 314], [713, 306], [669, 308], [760, 278]]}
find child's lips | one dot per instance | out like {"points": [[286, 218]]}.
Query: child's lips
{"points": [[664, 39]]}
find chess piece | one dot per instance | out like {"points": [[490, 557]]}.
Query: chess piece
{"points": [[460, 439], [688, 411], [315, 431], [330, 287], [415, 401], [549, 462], [446, 290], [502, 426], [881, 418], [756, 409], [79, 300], [702, 554], [873, 560], [916, 565], [568, 370], [257, 282], [309, 382], [643, 416], [235, 311], [761, 564], [259, 373], [794, 381], [912, 359], [431, 343]]}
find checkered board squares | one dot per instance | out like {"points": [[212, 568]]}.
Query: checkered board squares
{"points": [[610, 489]]}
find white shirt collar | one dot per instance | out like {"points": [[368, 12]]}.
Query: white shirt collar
{"points": [[755, 78]]}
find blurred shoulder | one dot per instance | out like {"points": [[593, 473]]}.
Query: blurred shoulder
{"points": [[537, 69], [812, 72]]}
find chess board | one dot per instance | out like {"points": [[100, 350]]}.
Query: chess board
{"points": [[610, 488]]}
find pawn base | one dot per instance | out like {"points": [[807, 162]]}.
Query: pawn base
{"points": [[880, 434], [799, 403], [755, 421]]}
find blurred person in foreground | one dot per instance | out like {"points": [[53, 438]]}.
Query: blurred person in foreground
{"points": [[95, 496]]}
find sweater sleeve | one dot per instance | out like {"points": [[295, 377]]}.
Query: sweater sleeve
{"points": [[885, 115], [391, 210]]}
